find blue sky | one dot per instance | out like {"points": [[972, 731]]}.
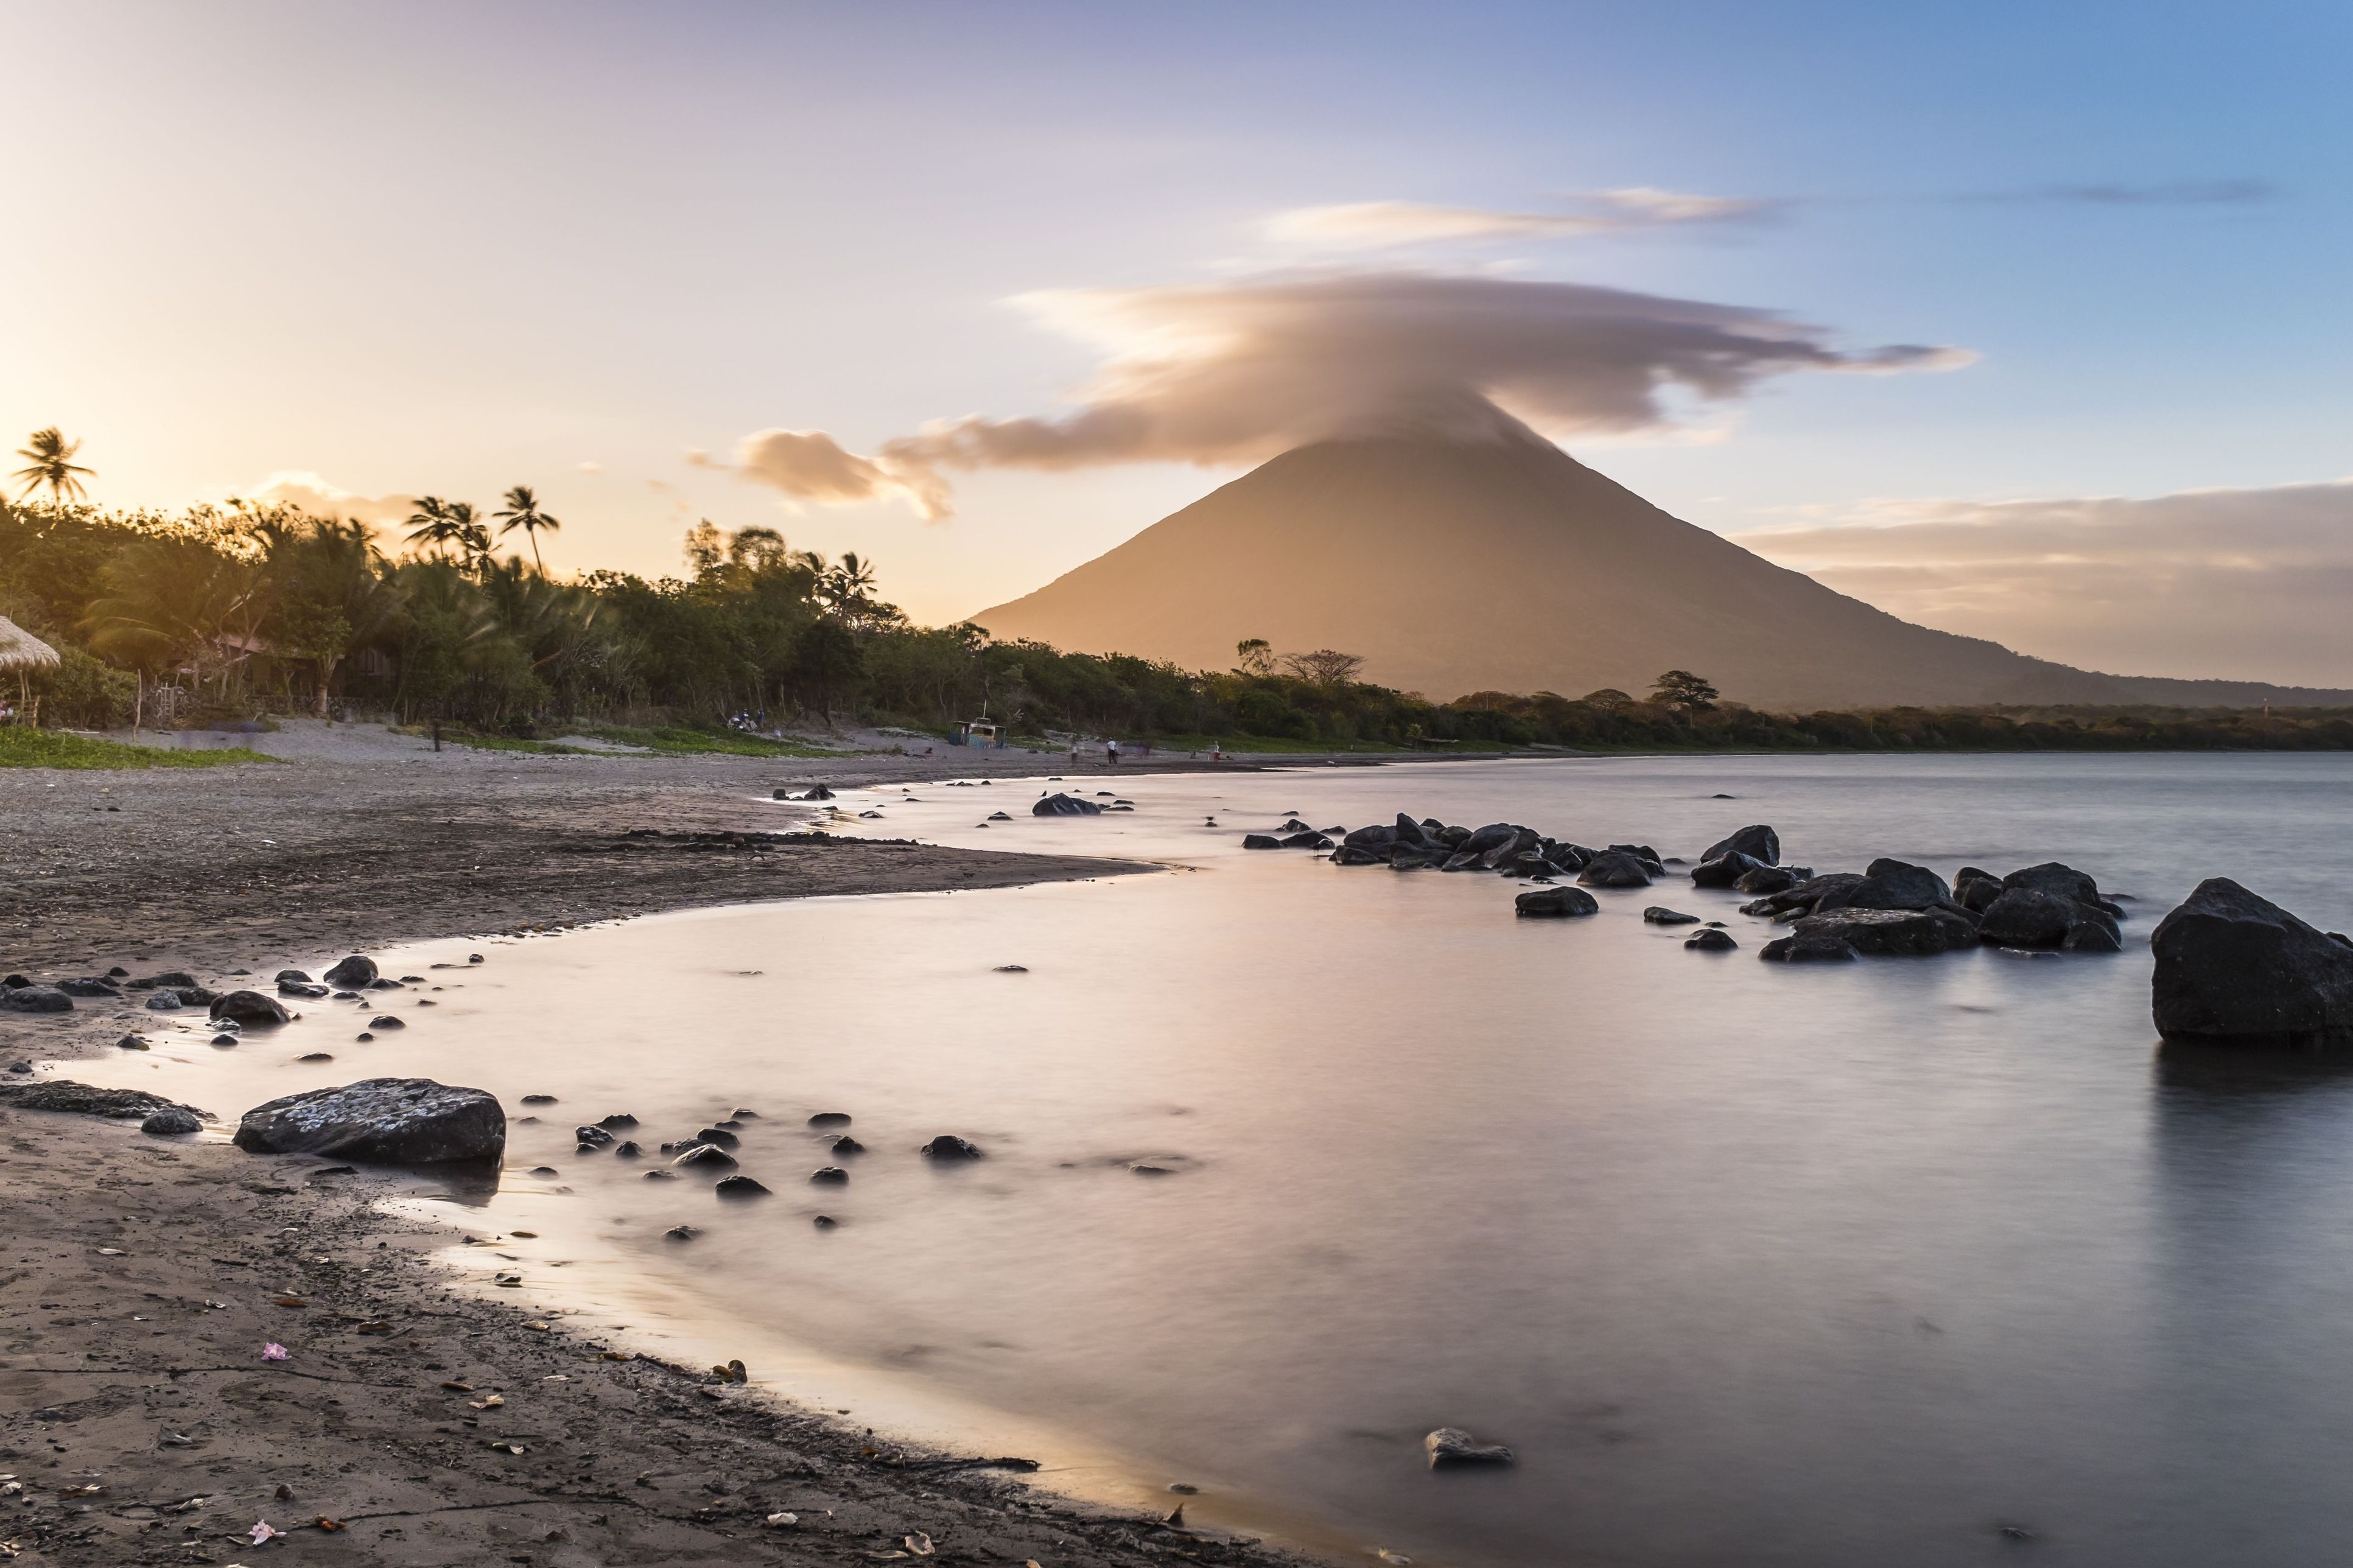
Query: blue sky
{"points": [[452, 248]]}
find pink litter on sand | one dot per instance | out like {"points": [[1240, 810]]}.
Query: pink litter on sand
{"points": [[273, 1351], [263, 1534]]}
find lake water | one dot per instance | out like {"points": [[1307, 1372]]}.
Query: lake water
{"points": [[1824, 1265]]}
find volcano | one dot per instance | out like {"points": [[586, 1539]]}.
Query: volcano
{"points": [[1503, 564]]}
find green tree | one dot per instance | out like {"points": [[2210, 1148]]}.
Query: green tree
{"points": [[1684, 692], [49, 461], [1254, 656]]}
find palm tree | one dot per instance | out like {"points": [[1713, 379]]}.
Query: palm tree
{"points": [[450, 525], [50, 459], [521, 511]]}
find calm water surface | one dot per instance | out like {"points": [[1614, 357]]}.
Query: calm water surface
{"points": [[1849, 1265]]}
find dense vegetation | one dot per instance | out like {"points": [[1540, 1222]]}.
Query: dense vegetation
{"points": [[241, 611]]}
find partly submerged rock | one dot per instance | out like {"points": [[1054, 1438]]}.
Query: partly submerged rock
{"points": [[1725, 870], [1660, 915], [740, 1187], [1614, 869], [353, 971], [1807, 950], [1887, 885], [171, 1122], [35, 999], [2234, 968], [1757, 841], [948, 1146], [1710, 940], [381, 1120], [1555, 902], [1889, 934], [249, 1008], [1065, 806], [707, 1156], [1453, 1446]]}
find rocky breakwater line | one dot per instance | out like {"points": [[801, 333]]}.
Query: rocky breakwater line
{"points": [[1891, 909], [2235, 969]]}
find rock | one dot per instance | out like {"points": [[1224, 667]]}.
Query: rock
{"points": [[1767, 879], [382, 1121], [1807, 950], [948, 1146], [387, 1021], [132, 1043], [81, 1100], [249, 1008], [1453, 1446], [1976, 892], [627, 1150], [1660, 915], [1408, 831], [1888, 885], [314, 1057], [539, 1099], [719, 1135], [2234, 968], [1418, 857], [1260, 841], [224, 1039], [1889, 934], [2092, 936], [592, 1137], [89, 990], [1360, 855], [353, 972], [35, 999], [679, 1231], [1309, 840], [1614, 869], [825, 1222], [830, 1119], [301, 988], [620, 1122], [1495, 835], [740, 1187], [1462, 860], [1377, 837], [1642, 852], [170, 980], [846, 1145], [1555, 902], [291, 977], [1568, 856], [2063, 882], [706, 1156], [828, 1176], [1066, 805], [172, 1121], [1757, 841], [1710, 940], [1725, 870]]}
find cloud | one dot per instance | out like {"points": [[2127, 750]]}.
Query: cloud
{"points": [[2164, 194], [1236, 372], [301, 488], [1379, 226], [2251, 584]]}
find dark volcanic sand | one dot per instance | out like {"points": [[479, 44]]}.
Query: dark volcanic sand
{"points": [[105, 1361]]}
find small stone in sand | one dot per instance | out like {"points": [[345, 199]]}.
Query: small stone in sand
{"points": [[830, 1119], [551, 1170], [388, 1022], [828, 1176], [1012, 969], [681, 1233], [364, 1036], [845, 1144], [539, 1099], [740, 1187], [315, 1057], [224, 1039], [825, 1222]]}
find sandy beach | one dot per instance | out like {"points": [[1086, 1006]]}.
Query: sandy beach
{"points": [[144, 1276]]}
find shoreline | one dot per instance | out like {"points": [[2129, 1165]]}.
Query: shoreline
{"points": [[148, 1273]]}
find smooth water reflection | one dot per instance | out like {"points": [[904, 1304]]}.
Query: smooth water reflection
{"points": [[1851, 1265]]}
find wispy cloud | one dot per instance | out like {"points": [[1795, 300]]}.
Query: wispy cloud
{"points": [[1386, 224], [2163, 194], [2249, 584], [1235, 373], [302, 488]]}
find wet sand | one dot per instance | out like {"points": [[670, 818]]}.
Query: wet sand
{"points": [[143, 1277]]}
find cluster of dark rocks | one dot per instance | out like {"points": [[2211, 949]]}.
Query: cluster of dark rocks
{"points": [[1506, 848], [1895, 909], [712, 1151], [1061, 803]]}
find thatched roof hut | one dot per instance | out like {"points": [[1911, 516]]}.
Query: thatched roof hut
{"points": [[21, 652]]}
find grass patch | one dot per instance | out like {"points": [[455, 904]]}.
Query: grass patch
{"points": [[21, 747]]}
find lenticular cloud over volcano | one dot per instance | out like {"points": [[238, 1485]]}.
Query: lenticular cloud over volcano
{"points": [[1236, 372]]}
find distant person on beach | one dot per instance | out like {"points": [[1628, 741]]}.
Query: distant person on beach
{"points": [[1110, 750]]}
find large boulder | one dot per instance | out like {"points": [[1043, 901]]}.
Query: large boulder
{"points": [[2234, 968], [1660, 915], [1378, 837], [1360, 855], [2062, 881], [1757, 842], [1807, 950], [1260, 841], [1767, 879], [1451, 1446], [382, 1121], [1614, 869], [1491, 837], [35, 999], [1060, 805], [1889, 934], [1710, 940], [2029, 917], [1888, 885], [1725, 870], [1555, 902], [249, 1008], [1408, 831], [353, 972]]}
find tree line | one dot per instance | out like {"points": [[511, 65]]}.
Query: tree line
{"points": [[242, 609]]}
